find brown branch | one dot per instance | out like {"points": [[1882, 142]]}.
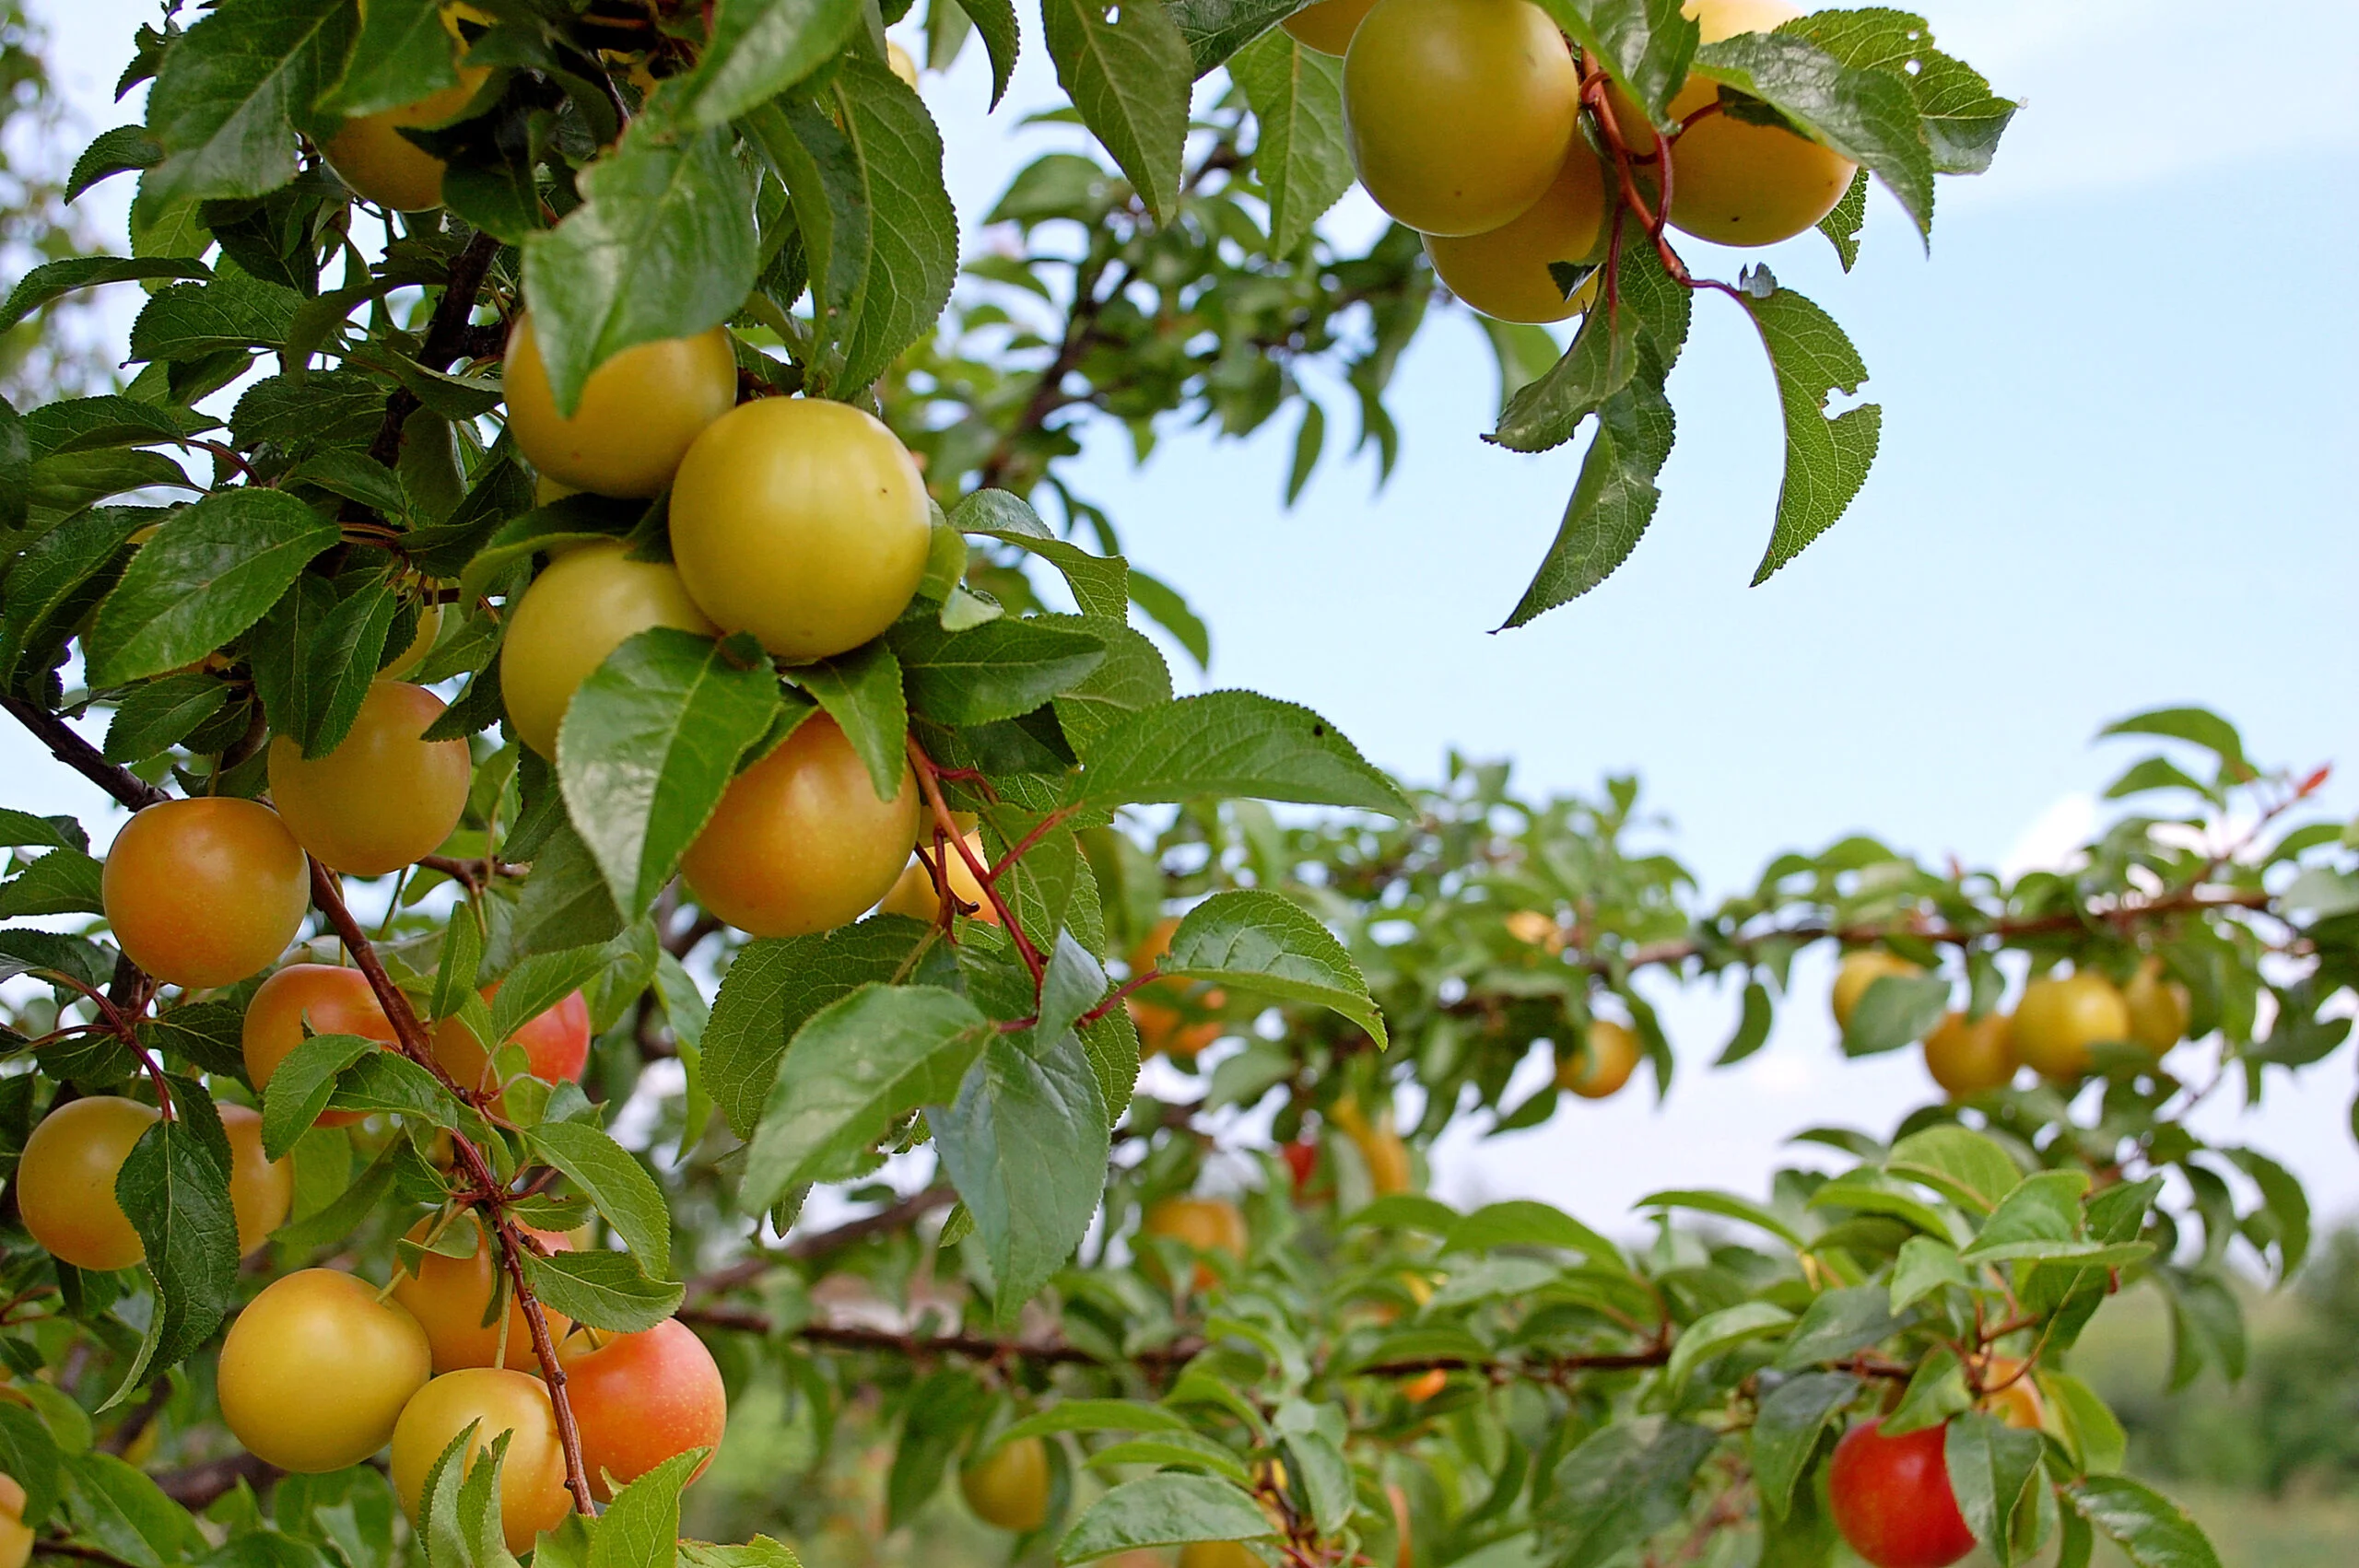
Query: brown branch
{"points": [[930, 780], [819, 1244], [200, 1485], [447, 336], [926, 1347], [488, 1190], [67, 746]]}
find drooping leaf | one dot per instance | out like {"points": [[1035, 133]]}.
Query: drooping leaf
{"points": [[1786, 1431], [233, 89], [775, 986], [852, 1068], [650, 742], [1129, 77], [603, 1290], [54, 280], [404, 52], [616, 1185], [1169, 1509], [1869, 116], [208, 575], [1302, 158], [175, 1189], [1273, 947], [1619, 1487], [758, 49], [663, 246], [1826, 459]]}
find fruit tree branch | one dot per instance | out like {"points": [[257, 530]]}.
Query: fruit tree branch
{"points": [[66, 744], [446, 336]]}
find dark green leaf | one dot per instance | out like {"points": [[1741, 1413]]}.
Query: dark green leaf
{"points": [[1129, 77], [853, 1067], [650, 742], [1786, 1431], [1169, 1509], [1215, 29], [173, 1187], [1896, 1010], [663, 246], [1225, 743], [54, 280], [158, 715], [403, 53], [616, 1183], [1619, 1487], [1869, 117], [300, 1085], [862, 692], [773, 987], [64, 881], [758, 49], [118, 151], [1992, 1466], [1826, 459], [604, 1290], [208, 575], [232, 90], [999, 669], [1838, 1324]]}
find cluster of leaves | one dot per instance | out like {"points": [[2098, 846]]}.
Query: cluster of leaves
{"points": [[641, 173]]}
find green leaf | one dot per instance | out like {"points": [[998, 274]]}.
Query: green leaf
{"points": [[996, 19], [1935, 1392], [338, 665], [1228, 743], [2150, 1530], [1001, 669], [300, 1085], [1215, 29], [1317, 1471], [662, 246], [1869, 117], [54, 280], [1752, 1026], [388, 1080], [758, 49], [233, 90], [604, 1290], [2042, 1210], [64, 881], [943, 1410], [1100, 584], [1129, 78], [1302, 160], [1896, 1010], [639, 1527], [1842, 224], [2199, 726], [1517, 1221], [1025, 1142], [1992, 1467], [648, 746], [2091, 1429], [1614, 499], [1095, 1415], [1183, 1449], [61, 577], [1786, 1430], [1653, 309], [616, 1185], [854, 1069], [1646, 45], [28, 1456], [1838, 1324], [1963, 118], [194, 321], [862, 691], [158, 716], [1826, 459], [1131, 679], [208, 575], [121, 1511], [1924, 1265], [1869, 1191], [458, 1509], [1958, 1163], [174, 1189], [1166, 607], [1274, 946], [775, 986], [1718, 1332], [1727, 1205], [403, 53], [1163, 1510], [539, 983], [119, 151], [912, 258], [1622, 1484]]}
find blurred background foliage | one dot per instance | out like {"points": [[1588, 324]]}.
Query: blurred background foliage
{"points": [[47, 355]]}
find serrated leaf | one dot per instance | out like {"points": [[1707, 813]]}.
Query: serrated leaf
{"points": [[1275, 948], [1129, 78], [1229, 744], [1302, 158], [616, 1185], [1962, 1164], [604, 1290], [773, 987], [1619, 1487], [1716, 1333], [1838, 1324], [208, 575], [1025, 1142], [1924, 1265], [176, 1193], [1846, 219], [757, 49], [663, 246], [2150, 1530], [1615, 497], [300, 1085], [1992, 1466], [1163, 1510], [403, 53], [1216, 29], [1826, 459], [648, 746], [853, 1067], [1786, 1430], [912, 258], [54, 280], [232, 90], [1869, 116], [1100, 584], [160, 714], [863, 692], [64, 881], [1001, 669], [119, 151], [2043, 1210]]}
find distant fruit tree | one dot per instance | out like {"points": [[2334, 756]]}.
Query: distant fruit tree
{"points": [[567, 587]]}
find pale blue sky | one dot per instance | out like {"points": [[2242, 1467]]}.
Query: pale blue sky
{"points": [[2116, 472]]}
